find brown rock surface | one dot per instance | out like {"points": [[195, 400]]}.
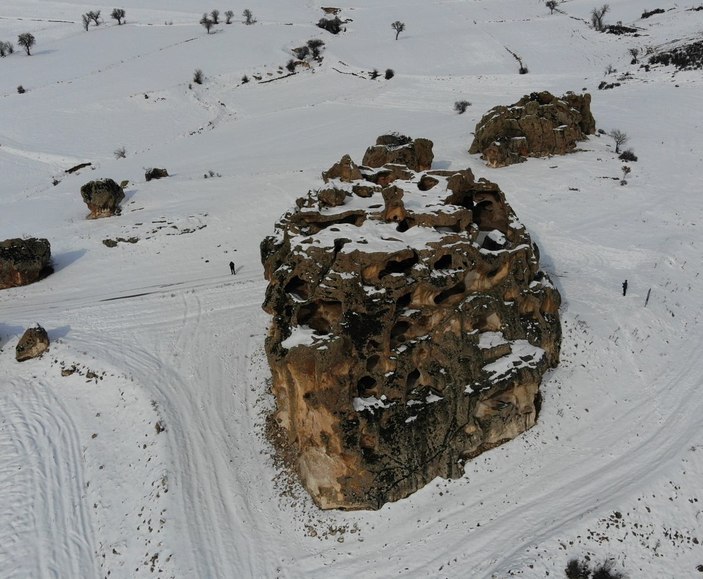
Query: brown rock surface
{"points": [[24, 261], [538, 124], [102, 197], [33, 343], [410, 330], [415, 154]]}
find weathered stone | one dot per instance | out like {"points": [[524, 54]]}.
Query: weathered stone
{"points": [[102, 198], [415, 154], [410, 330], [155, 173], [33, 343], [345, 170], [24, 261], [538, 124]]}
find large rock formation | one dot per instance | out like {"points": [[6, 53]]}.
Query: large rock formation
{"points": [[24, 261], [33, 343], [538, 124], [411, 325], [414, 154], [102, 197]]}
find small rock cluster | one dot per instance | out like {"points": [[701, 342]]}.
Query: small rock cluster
{"points": [[411, 325], [103, 198]]}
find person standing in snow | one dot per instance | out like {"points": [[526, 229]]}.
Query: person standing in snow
{"points": [[624, 287], [231, 267]]}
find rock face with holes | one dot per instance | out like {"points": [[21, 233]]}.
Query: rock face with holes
{"points": [[24, 261], [537, 125], [411, 326], [102, 197]]}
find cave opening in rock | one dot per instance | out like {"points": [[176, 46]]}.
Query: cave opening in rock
{"points": [[317, 315], [444, 262], [297, 288], [365, 386], [456, 290], [398, 266], [398, 333]]}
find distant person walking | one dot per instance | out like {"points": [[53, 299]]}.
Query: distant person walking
{"points": [[624, 287], [231, 267]]}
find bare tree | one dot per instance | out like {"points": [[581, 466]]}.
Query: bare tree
{"points": [[26, 40], [634, 53], [207, 23], [398, 26], [228, 16], [215, 14], [619, 137], [86, 22], [198, 76], [597, 15], [94, 15], [552, 5], [248, 17], [118, 14]]}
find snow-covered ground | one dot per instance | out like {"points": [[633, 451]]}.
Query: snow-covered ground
{"points": [[148, 459]]}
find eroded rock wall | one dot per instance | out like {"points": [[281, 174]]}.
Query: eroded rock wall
{"points": [[411, 326]]}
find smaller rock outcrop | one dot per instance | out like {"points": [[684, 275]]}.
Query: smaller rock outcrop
{"points": [[102, 197], [24, 261], [155, 173], [33, 343], [539, 124], [415, 154]]}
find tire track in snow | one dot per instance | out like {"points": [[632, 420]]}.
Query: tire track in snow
{"points": [[45, 527]]}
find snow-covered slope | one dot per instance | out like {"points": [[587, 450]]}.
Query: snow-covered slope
{"points": [[158, 333]]}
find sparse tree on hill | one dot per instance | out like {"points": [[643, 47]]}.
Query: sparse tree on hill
{"points": [[597, 15], [634, 53], [215, 14], [398, 26], [389, 74], [552, 5], [198, 76], [26, 40], [620, 139], [86, 22], [118, 14], [207, 23], [248, 17], [94, 15], [228, 16]]}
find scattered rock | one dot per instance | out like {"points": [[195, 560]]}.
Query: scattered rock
{"points": [[24, 261], [33, 343], [103, 198], [155, 173], [538, 124], [410, 330], [684, 57]]}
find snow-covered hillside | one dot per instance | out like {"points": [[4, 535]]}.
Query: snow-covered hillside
{"points": [[158, 332]]}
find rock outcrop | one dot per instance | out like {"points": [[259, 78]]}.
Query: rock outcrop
{"points": [[102, 197], [411, 326], [33, 343], [415, 154], [537, 125], [24, 261]]}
